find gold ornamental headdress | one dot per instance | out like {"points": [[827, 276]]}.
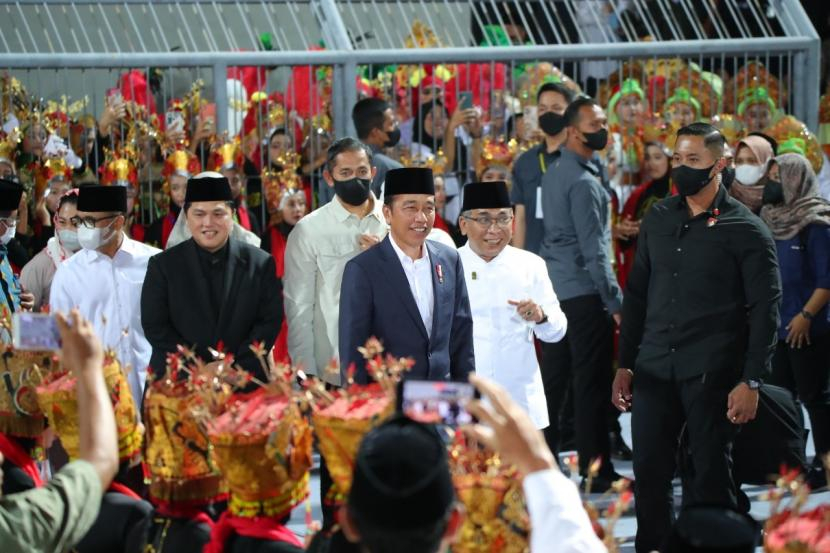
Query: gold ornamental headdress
{"points": [[343, 417], [262, 445], [497, 153], [281, 180], [57, 397]]}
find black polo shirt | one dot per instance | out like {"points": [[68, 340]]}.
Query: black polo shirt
{"points": [[703, 293]]}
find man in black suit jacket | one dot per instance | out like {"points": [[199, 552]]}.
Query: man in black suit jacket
{"points": [[408, 292], [211, 290]]}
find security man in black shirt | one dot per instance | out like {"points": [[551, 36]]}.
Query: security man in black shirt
{"points": [[699, 319]]}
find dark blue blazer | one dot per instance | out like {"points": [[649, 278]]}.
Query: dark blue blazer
{"points": [[375, 300]]}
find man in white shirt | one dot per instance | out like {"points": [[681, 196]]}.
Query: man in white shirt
{"points": [[511, 298], [317, 251], [104, 279]]}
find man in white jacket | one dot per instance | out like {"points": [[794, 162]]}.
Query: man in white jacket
{"points": [[511, 298]]}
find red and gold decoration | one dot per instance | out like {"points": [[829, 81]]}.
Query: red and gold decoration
{"points": [[181, 162], [497, 153], [792, 527], [22, 372], [621, 496], [497, 520], [227, 155], [342, 417], [57, 397], [119, 168], [282, 182]]}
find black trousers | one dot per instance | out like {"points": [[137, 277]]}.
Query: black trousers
{"points": [[806, 373], [585, 356], [661, 409]]}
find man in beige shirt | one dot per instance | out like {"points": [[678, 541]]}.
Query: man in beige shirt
{"points": [[56, 516], [317, 251]]}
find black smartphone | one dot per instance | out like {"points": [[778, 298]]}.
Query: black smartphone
{"points": [[441, 403], [465, 100]]}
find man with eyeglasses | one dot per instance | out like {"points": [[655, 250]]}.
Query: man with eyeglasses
{"points": [[511, 298], [104, 279]]}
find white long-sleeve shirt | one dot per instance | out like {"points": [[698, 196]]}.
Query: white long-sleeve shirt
{"points": [[107, 292], [315, 257], [419, 275], [503, 341], [557, 519]]}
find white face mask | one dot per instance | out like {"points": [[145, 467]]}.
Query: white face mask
{"points": [[749, 174], [69, 240], [93, 238], [8, 235]]}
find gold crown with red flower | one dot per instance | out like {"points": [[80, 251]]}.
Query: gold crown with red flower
{"points": [[119, 167], [497, 153], [262, 445], [497, 518], [343, 417], [57, 398], [276, 183], [227, 154], [178, 454], [181, 162]]}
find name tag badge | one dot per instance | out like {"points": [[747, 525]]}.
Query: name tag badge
{"points": [[539, 214]]}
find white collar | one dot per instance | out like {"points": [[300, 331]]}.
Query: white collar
{"points": [[404, 257]]}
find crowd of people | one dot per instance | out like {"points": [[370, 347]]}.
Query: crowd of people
{"points": [[665, 245]]}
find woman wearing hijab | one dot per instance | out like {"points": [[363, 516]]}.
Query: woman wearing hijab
{"points": [[800, 223], [752, 157]]}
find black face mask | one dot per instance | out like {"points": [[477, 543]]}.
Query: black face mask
{"points": [[394, 136], [690, 181], [773, 193], [552, 123], [596, 140], [353, 191]]}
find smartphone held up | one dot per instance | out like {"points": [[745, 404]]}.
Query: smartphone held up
{"points": [[35, 332]]}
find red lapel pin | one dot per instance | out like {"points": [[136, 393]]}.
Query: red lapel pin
{"points": [[440, 273]]}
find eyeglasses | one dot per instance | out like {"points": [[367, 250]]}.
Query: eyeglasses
{"points": [[485, 221], [90, 222]]}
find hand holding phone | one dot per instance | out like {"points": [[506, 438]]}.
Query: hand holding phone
{"points": [[35, 332], [465, 100], [436, 402]]}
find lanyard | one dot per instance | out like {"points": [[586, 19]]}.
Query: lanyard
{"points": [[542, 164]]}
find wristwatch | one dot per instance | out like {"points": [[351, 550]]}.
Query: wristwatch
{"points": [[753, 384], [806, 314]]}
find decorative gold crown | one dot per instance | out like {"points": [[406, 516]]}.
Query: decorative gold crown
{"points": [[227, 155], [341, 418], [177, 451], [20, 373], [181, 162], [58, 400], [277, 183], [276, 116], [496, 152], [8, 147], [497, 519], [262, 444], [437, 162], [787, 127], [119, 167]]}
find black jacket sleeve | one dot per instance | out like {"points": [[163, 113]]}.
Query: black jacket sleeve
{"points": [[462, 357], [634, 301]]}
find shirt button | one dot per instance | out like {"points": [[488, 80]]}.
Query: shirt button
{"points": [[673, 300], [674, 275], [429, 355], [680, 249], [673, 350], [685, 226]]}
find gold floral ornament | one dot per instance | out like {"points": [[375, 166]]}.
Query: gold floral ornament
{"points": [[20, 373], [179, 456], [282, 182], [57, 397], [791, 528], [343, 417], [497, 519]]}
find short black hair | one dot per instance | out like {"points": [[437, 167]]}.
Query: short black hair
{"points": [[713, 140], [768, 138], [572, 112], [377, 539], [368, 114], [559, 88], [68, 198], [347, 144]]}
